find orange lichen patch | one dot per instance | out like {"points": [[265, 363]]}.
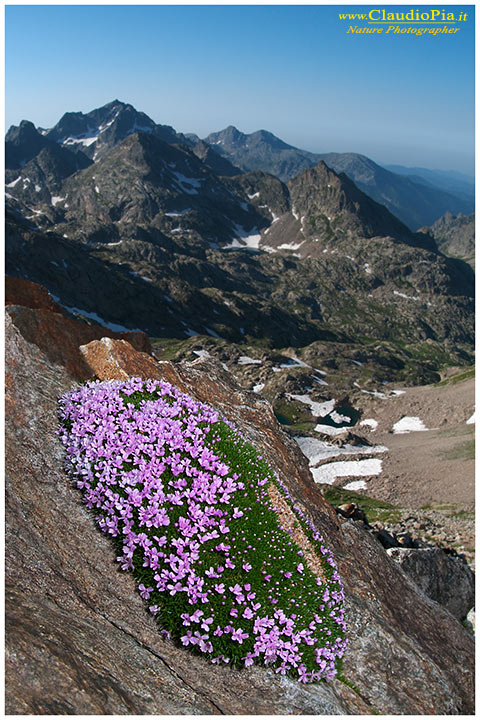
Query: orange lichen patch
{"points": [[108, 359], [289, 521]]}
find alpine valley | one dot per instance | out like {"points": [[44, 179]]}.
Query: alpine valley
{"points": [[149, 229], [321, 303], [306, 290]]}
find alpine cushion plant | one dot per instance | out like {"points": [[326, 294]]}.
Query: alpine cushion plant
{"points": [[187, 502]]}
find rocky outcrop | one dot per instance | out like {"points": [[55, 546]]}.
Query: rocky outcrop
{"points": [[43, 322], [455, 236], [78, 638], [447, 580]]}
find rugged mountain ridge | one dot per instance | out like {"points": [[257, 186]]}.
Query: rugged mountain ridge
{"points": [[455, 236], [94, 133], [261, 150], [190, 251], [415, 201]]}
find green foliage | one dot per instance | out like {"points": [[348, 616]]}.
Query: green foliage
{"points": [[459, 377], [374, 509]]}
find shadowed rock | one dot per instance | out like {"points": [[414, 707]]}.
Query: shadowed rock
{"points": [[44, 322], [447, 580]]}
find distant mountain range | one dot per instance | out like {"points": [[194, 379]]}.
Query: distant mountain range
{"points": [[129, 222], [418, 198], [450, 180]]}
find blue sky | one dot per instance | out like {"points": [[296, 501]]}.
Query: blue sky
{"points": [[292, 70]]}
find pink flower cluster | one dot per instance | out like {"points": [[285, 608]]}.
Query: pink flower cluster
{"points": [[188, 524]]}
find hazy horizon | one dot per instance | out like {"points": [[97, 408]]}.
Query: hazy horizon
{"points": [[296, 73]]}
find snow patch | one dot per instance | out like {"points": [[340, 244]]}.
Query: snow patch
{"points": [[244, 238], [14, 182], [85, 141], [356, 485], [294, 362], [407, 297], [317, 409], [252, 197], [471, 420], [177, 213], [337, 418], [56, 199], [202, 353], [346, 468], [96, 318], [290, 246], [329, 430], [141, 277], [188, 185], [374, 393], [245, 360], [408, 424], [318, 450], [258, 388]]}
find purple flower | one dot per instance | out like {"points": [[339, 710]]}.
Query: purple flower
{"points": [[151, 461], [145, 592]]}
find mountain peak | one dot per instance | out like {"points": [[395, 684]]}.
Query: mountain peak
{"points": [[25, 131], [22, 142], [228, 137]]}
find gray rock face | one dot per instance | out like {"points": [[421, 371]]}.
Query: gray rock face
{"points": [[79, 640], [445, 579]]}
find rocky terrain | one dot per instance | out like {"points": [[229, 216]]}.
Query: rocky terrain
{"points": [[455, 236], [59, 608], [412, 471]]}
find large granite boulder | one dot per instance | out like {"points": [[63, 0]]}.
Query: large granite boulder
{"points": [[447, 580], [79, 640]]}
